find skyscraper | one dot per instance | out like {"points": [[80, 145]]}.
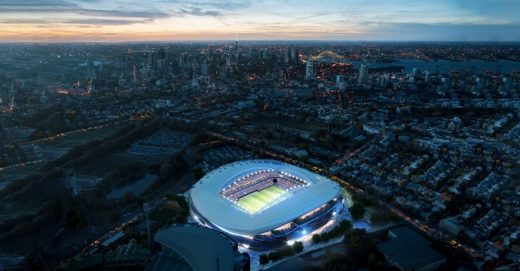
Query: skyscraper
{"points": [[309, 70], [151, 59], [236, 52], [427, 76], [415, 72], [293, 54], [286, 56], [161, 59], [363, 74], [91, 69], [204, 68], [341, 83]]}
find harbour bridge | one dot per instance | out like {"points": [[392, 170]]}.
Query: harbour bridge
{"points": [[327, 54]]}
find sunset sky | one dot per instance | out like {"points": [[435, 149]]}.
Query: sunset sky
{"points": [[169, 20]]}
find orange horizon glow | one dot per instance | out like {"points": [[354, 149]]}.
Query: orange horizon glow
{"points": [[161, 20]]}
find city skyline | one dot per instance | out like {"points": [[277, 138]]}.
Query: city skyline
{"points": [[162, 20], [259, 153]]}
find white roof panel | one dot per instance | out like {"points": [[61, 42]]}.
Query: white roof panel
{"points": [[229, 217]]}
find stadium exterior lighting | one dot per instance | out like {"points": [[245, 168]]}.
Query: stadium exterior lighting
{"points": [[243, 200]]}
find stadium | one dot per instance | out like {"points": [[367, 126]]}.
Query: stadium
{"points": [[264, 203]]}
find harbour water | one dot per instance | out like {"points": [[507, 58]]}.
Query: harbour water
{"points": [[475, 66]]}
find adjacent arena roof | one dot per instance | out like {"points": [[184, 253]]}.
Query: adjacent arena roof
{"points": [[230, 217], [200, 248]]}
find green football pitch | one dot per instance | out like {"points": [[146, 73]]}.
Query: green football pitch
{"points": [[258, 200]]}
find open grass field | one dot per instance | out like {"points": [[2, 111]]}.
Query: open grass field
{"points": [[84, 137], [301, 125], [258, 200]]}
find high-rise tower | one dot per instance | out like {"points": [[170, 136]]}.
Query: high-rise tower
{"points": [[363, 74], [236, 52], [309, 70]]}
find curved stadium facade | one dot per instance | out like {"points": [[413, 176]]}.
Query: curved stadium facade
{"points": [[264, 203]]}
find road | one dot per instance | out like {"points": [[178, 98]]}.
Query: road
{"points": [[351, 154], [20, 165], [53, 137]]}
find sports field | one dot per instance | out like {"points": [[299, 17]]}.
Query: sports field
{"points": [[258, 200]]}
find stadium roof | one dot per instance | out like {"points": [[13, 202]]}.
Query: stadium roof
{"points": [[200, 247], [229, 217]]}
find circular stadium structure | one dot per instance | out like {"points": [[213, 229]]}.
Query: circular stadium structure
{"points": [[264, 203]]}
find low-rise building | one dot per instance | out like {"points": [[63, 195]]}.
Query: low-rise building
{"points": [[408, 250]]}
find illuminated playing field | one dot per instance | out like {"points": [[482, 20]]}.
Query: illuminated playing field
{"points": [[256, 201]]}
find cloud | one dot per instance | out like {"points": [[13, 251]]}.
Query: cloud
{"points": [[444, 32], [222, 4], [310, 17], [197, 12], [123, 13], [64, 7], [90, 22], [331, 19], [106, 14], [27, 6]]}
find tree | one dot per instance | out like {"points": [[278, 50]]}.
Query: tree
{"points": [[55, 208], [128, 197], [114, 217], [380, 217], [198, 138], [357, 211], [264, 259], [165, 171], [359, 244], [198, 173], [75, 219], [338, 262], [298, 247], [316, 238], [178, 163], [345, 225]]}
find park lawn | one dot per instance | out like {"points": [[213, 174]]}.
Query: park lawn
{"points": [[85, 137], [301, 125]]}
